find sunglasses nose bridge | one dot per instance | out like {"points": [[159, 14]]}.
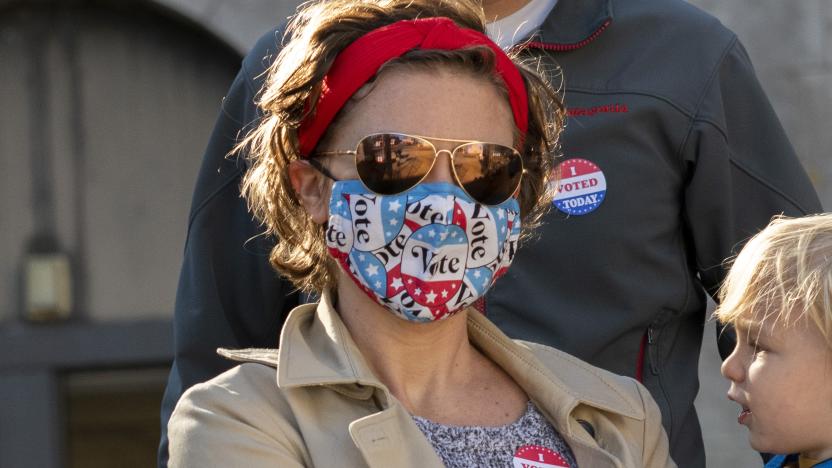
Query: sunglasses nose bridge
{"points": [[441, 170]]}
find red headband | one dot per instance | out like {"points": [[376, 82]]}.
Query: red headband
{"points": [[360, 61]]}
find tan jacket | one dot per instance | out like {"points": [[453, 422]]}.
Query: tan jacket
{"points": [[325, 408]]}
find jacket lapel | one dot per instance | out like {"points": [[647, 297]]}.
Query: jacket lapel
{"points": [[317, 349]]}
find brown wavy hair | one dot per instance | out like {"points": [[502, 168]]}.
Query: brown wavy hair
{"points": [[317, 33]]}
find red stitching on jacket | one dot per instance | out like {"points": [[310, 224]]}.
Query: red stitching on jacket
{"points": [[574, 45], [479, 305], [640, 359]]}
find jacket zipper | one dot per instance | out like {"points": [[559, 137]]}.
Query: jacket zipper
{"points": [[652, 351], [574, 45]]}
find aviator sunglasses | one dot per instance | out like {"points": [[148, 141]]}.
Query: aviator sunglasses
{"points": [[393, 163]]}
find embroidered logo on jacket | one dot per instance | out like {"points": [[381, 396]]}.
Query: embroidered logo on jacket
{"points": [[616, 108]]}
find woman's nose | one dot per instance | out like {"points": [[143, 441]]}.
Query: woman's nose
{"points": [[441, 170]]}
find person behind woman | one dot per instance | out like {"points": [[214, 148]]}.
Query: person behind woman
{"points": [[401, 158]]}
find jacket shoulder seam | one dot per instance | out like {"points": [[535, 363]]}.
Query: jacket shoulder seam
{"points": [[701, 101], [249, 80], [751, 173], [235, 175], [696, 117], [714, 73]]}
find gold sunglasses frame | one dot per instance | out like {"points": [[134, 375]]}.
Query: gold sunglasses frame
{"points": [[317, 165]]}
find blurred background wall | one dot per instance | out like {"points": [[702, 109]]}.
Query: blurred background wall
{"points": [[106, 108]]}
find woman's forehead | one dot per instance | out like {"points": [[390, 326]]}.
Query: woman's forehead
{"points": [[439, 103]]}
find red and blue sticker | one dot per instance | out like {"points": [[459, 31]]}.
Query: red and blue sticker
{"points": [[582, 187], [535, 456]]}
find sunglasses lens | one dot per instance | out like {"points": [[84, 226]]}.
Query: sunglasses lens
{"points": [[390, 163], [490, 173]]}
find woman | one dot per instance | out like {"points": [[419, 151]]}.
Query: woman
{"points": [[399, 155]]}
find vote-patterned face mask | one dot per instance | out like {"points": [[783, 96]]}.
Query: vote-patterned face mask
{"points": [[423, 254]]}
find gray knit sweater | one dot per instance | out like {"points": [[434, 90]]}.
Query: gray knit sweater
{"points": [[529, 439]]}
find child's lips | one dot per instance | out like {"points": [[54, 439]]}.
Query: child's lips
{"points": [[745, 412], [744, 415]]}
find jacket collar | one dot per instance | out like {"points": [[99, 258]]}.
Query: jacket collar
{"points": [[317, 349], [573, 23]]}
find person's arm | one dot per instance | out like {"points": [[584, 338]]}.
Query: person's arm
{"points": [[742, 170], [235, 421], [228, 295]]}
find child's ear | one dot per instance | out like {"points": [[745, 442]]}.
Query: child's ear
{"points": [[312, 193]]}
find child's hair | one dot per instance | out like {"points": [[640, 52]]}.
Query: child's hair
{"points": [[782, 275], [319, 31]]}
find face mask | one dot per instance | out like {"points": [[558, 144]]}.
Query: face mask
{"points": [[423, 254]]}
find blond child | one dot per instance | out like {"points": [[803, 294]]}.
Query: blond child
{"points": [[778, 297]]}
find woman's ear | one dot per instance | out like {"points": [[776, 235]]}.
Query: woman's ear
{"points": [[311, 192]]}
